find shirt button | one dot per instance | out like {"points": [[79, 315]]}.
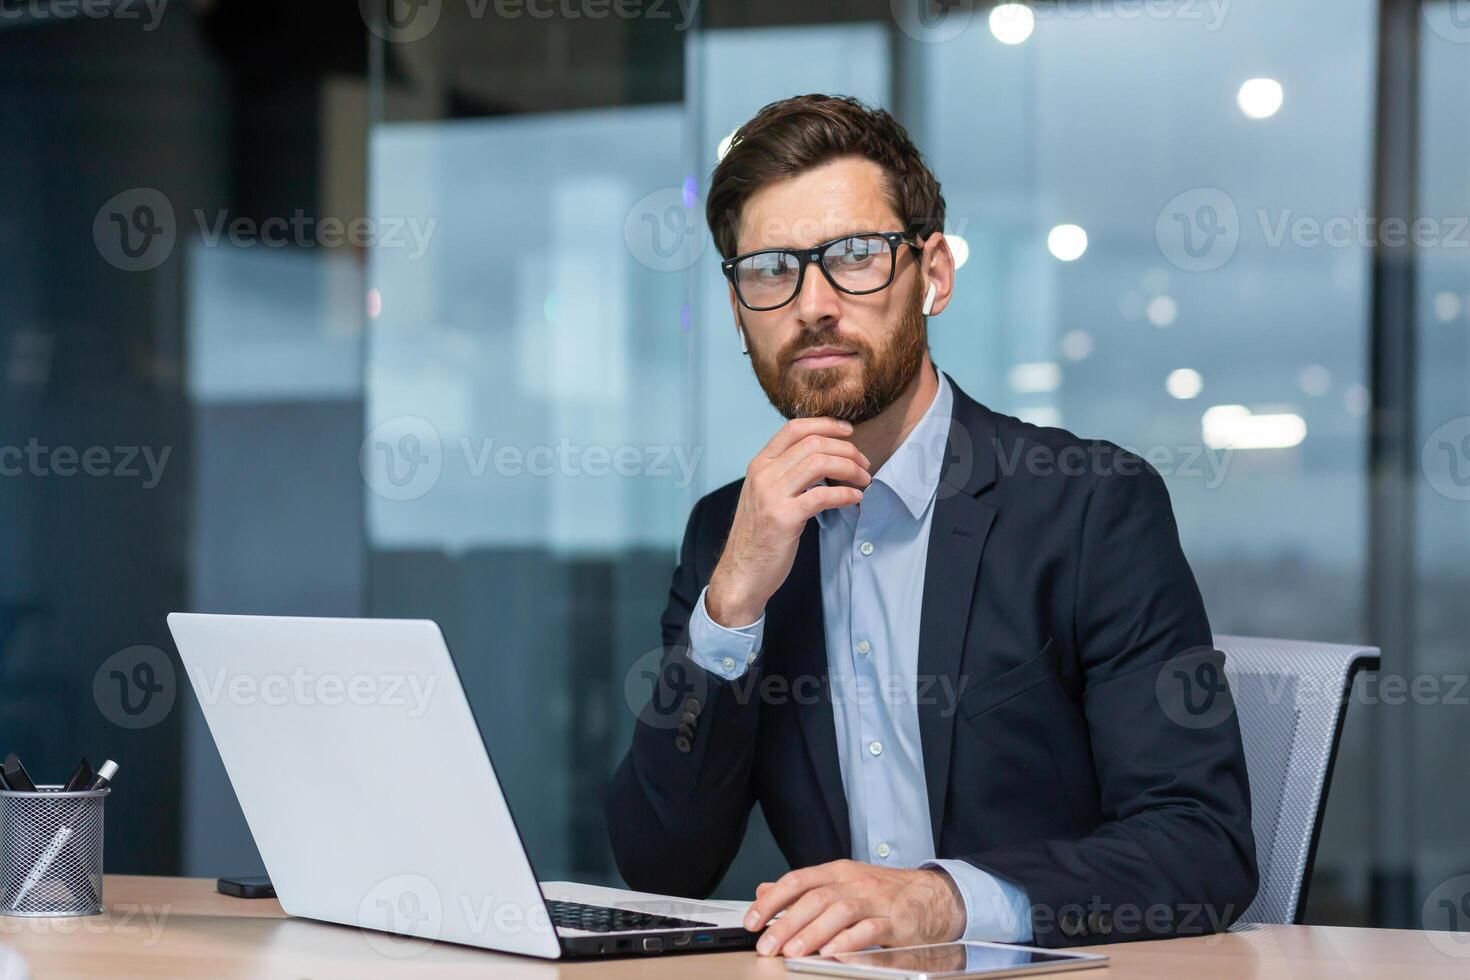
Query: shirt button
{"points": [[864, 646], [728, 663], [866, 547], [884, 850], [750, 658], [875, 748]]}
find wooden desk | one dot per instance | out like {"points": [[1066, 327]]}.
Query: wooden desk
{"points": [[180, 927]]}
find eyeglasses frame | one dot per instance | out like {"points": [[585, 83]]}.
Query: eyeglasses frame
{"points": [[816, 254]]}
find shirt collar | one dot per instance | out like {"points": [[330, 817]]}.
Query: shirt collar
{"points": [[912, 472]]}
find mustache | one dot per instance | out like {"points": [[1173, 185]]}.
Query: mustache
{"points": [[829, 338]]}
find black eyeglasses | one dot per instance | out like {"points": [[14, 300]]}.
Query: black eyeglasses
{"points": [[855, 264]]}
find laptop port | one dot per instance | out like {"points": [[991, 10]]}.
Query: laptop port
{"points": [[653, 944], [623, 944], [704, 937], [682, 940]]}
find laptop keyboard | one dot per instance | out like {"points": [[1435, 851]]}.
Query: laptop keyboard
{"points": [[600, 918]]}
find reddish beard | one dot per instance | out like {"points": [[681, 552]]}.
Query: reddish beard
{"points": [[840, 392]]}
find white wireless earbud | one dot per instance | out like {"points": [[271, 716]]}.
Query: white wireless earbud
{"points": [[929, 298], [744, 348]]}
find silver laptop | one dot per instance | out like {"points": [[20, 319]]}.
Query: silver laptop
{"points": [[373, 801]]}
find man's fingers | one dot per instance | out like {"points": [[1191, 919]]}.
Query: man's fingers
{"points": [[797, 429], [786, 890], [836, 917], [860, 935], [800, 913], [820, 498], [819, 466], [823, 444]]}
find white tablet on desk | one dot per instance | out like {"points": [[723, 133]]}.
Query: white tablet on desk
{"points": [[946, 961]]}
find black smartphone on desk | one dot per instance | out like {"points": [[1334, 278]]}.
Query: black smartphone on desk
{"points": [[258, 886]]}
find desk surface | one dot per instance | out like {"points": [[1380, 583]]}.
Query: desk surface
{"points": [[180, 927]]}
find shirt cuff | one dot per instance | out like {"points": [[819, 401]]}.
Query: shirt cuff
{"points": [[995, 910], [723, 651]]}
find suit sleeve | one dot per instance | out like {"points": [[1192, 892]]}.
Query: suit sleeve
{"points": [[678, 804], [1175, 854]]}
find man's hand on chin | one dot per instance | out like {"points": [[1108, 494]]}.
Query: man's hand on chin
{"points": [[847, 905]]}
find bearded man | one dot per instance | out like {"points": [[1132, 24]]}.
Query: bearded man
{"points": [[930, 640]]}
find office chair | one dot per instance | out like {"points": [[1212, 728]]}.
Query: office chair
{"points": [[1290, 699]]}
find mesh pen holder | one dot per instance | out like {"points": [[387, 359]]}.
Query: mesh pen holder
{"points": [[51, 852]]}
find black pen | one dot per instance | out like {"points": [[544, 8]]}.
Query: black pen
{"points": [[80, 777]]}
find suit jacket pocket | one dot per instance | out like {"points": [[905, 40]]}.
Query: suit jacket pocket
{"points": [[983, 695]]}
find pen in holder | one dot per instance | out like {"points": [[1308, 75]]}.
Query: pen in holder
{"points": [[51, 851]]}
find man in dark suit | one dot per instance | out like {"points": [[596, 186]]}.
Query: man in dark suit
{"points": [[959, 660]]}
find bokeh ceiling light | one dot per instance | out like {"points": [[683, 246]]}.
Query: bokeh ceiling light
{"points": [[1184, 383], [1260, 98], [1067, 242], [1012, 23]]}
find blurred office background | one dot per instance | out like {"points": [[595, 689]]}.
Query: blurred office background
{"points": [[411, 311]]}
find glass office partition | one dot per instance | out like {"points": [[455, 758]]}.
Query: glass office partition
{"points": [[1438, 726], [528, 455], [1160, 255]]}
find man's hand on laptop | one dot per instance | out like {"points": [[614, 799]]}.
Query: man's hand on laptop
{"points": [[778, 498], [848, 905]]}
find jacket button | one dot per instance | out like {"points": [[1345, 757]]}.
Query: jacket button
{"points": [[693, 706], [1100, 923], [1071, 922], [688, 718], [683, 744]]}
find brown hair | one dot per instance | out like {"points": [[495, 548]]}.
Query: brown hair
{"points": [[794, 135]]}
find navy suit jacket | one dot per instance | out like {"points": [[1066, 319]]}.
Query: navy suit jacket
{"points": [[1078, 739]]}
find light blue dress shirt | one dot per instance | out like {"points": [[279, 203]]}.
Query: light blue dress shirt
{"points": [[872, 557]]}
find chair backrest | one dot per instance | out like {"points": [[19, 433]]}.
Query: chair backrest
{"points": [[1290, 699]]}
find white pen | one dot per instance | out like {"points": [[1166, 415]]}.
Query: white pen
{"points": [[63, 834]]}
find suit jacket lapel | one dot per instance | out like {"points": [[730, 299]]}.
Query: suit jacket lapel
{"points": [[798, 604], [957, 537]]}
